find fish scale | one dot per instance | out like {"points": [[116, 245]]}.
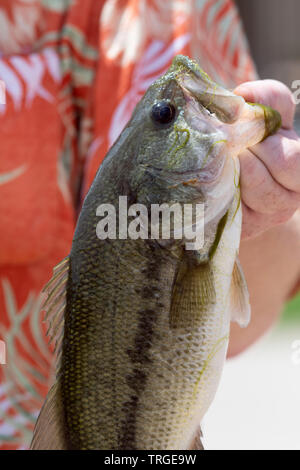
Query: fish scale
{"points": [[142, 325]]}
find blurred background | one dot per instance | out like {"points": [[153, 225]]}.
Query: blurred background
{"points": [[272, 27], [257, 404]]}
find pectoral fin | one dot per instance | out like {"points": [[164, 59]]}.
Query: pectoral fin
{"points": [[239, 297], [197, 443], [193, 295]]}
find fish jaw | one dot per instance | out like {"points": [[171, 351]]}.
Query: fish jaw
{"points": [[223, 103], [242, 124]]}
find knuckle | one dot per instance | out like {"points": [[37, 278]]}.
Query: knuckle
{"points": [[288, 157]]}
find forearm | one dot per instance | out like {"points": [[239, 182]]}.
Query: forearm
{"points": [[271, 263]]}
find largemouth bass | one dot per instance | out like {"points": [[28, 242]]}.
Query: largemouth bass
{"points": [[141, 325]]}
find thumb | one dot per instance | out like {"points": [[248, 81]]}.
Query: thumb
{"points": [[271, 93]]}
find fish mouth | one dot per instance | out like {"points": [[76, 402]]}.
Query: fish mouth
{"points": [[226, 116], [224, 104]]}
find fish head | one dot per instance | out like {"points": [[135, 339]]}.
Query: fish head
{"points": [[188, 131], [189, 128]]}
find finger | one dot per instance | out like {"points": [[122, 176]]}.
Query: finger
{"points": [[271, 93], [289, 133], [259, 191], [281, 155], [254, 223]]}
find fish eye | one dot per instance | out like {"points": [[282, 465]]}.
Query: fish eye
{"points": [[163, 112]]}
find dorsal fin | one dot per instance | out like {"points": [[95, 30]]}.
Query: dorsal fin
{"points": [[49, 429], [54, 306]]}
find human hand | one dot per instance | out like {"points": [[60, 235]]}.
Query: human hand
{"points": [[270, 170]]}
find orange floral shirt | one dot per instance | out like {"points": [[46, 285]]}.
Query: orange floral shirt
{"points": [[74, 71]]}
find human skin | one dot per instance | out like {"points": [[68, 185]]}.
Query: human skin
{"points": [[270, 188]]}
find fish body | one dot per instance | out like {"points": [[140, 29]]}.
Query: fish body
{"points": [[142, 325]]}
